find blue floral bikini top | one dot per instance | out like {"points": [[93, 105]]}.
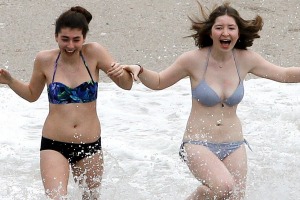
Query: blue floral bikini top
{"points": [[59, 93]]}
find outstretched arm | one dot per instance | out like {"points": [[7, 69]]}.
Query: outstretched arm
{"points": [[265, 69], [161, 80], [28, 91]]}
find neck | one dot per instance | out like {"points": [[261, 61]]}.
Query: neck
{"points": [[221, 58], [70, 58]]}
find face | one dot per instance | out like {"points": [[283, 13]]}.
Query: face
{"points": [[70, 40], [224, 32]]}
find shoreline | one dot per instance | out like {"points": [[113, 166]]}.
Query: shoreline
{"points": [[147, 32]]}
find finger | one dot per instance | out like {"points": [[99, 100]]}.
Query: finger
{"points": [[121, 72], [112, 65], [135, 77], [112, 69], [118, 72]]}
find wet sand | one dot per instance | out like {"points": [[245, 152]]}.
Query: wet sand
{"points": [[150, 32]]}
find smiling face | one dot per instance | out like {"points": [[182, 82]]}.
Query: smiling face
{"points": [[224, 32], [70, 40]]}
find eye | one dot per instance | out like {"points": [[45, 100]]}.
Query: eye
{"points": [[76, 40], [232, 27], [218, 28], [64, 39]]}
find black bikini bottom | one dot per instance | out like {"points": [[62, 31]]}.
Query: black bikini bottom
{"points": [[71, 151]]}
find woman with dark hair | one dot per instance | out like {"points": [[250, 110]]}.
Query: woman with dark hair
{"points": [[213, 144], [71, 135]]}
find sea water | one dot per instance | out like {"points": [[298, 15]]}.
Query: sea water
{"points": [[141, 134]]}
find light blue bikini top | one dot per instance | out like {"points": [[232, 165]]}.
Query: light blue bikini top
{"points": [[205, 95]]}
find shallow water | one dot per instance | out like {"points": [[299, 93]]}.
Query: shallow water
{"points": [[141, 134]]}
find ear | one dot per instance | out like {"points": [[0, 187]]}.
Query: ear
{"points": [[56, 37], [210, 32]]}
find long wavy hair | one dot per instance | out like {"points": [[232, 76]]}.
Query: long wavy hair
{"points": [[248, 29]]}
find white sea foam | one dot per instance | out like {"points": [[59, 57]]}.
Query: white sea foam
{"points": [[141, 134]]}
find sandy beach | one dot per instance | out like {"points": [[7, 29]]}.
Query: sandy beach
{"points": [[150, 32]]}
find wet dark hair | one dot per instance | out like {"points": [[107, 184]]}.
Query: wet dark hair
{"points": [[76, 17], [248, 29]]}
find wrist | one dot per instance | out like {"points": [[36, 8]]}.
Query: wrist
{"points": [[10, 82], [141, 70]]}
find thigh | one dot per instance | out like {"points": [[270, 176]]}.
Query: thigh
{"points": [[89, 170], [236, 163], [206, 166], [55, 173]]}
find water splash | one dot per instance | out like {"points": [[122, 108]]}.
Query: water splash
{"points": [[5, 65]]}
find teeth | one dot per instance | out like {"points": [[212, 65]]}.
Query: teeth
{"points": [[225, 41]]}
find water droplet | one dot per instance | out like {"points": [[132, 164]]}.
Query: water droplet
{"points": [[6, 65]]}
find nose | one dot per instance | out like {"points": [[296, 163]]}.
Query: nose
{"points": [[70, 44], [225, 32]]}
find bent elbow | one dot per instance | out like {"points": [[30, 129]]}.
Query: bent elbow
{"points": [[156, 88], [128, 88], [31, 100]]}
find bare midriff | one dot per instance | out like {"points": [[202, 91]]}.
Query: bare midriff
{"points": [[218, 123], [75, 123]]}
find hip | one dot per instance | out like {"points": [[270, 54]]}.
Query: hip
{"points": [[72, 131], [214, 134]]}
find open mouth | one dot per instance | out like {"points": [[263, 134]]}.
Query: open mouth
{"points": [[225, 43], [70, 51]]}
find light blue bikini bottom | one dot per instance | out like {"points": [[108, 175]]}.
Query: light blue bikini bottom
{"points": [[221, 150]]}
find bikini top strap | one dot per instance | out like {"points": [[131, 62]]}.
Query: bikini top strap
{"points": [[86, 66], [207, 60], [236, 65], [55, 66]]}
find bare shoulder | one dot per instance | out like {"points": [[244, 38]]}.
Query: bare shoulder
{"points": [[93, 48], [190, 56], [96, 53], [46, 56], [246, 55], [194, 55], [248, 58], [44, 62]]}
